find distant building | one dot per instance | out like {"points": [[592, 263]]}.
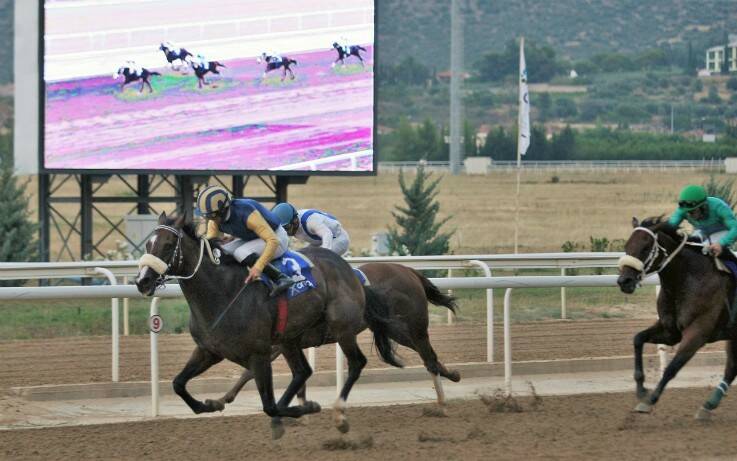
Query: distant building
{"points": [[573, 73], [715, 58]]}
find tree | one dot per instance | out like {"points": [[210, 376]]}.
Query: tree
{"points": [[17, 232], [469, 140], [732, 83], [500, 145], [563, 144], [417, 232]]}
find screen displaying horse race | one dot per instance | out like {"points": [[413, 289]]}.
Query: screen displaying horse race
{"points": [[221, 86]]}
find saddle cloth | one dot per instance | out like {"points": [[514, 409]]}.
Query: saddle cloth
{"points": [[362, 277], [297, 267]]}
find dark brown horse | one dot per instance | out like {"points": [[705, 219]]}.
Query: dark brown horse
{"points": [[693, 304], [229, 321], [407, 293]]}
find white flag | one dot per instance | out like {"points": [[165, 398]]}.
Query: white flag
{"points": [[523, 124]]}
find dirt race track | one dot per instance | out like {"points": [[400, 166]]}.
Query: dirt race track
{"points": [[87, 359], [572, 427]]}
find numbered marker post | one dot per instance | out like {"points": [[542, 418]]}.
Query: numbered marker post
{"points": [[155, 323]]}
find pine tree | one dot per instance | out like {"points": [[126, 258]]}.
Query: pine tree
{"points": [[417, 233], [17, 232]]}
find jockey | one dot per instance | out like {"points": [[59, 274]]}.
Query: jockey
{"points": [[270, 56], [201, 61], [712, 218], [345, 44], [132, 67], [314, 227], [258, 236]]}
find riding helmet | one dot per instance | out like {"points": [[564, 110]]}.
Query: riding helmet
{"points": [[691, 197], [213, 200], [285, 212]]}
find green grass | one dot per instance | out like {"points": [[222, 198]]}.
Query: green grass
{"points": [[173, 83], [350, 69], [46, 319]]}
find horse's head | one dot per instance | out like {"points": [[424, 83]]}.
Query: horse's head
{"points": [[644, 253], [336, 45], [163, 253]]}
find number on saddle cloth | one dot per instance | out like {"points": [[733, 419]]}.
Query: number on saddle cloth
{"points": [[297, 267]]}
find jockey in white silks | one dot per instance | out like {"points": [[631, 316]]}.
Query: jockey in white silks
{"points": [[314, 227]]}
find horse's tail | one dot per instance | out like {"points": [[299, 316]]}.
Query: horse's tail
{"points": [[360, 48], [434, 295], [217, 63], [293, 61], [154, 73], [377, 316]]}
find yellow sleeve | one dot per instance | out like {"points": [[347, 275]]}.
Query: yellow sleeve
{"points": [[258, 224], [212, 230]]}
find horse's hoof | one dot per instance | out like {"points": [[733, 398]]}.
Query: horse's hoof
{"points": [[277, 430], [643, 407], [703, 414], [343, 426], [454, 376], [214, 405], [311, 407]]}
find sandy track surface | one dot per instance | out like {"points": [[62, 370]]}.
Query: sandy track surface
{"points": [[572, 427], [88, 359]]}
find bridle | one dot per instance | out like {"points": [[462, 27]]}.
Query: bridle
{"points": [[645, 268], [177, 258]]}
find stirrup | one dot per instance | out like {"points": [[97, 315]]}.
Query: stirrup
{"points": [[281, 285]]}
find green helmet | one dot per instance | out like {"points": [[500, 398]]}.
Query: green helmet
{"points": [[691, 197]]}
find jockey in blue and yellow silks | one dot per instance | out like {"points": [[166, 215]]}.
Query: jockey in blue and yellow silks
{"points": [[711, 217], [259, 237]]}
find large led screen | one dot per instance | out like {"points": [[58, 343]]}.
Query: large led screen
{"points": [[218, 85]]}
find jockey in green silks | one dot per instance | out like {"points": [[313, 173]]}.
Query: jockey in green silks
{"points": [[711, 217]]}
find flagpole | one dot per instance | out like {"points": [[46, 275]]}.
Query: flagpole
{"points": [[519, 155]]}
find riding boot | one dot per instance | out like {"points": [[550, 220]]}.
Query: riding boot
{"points": [[281, 281]]}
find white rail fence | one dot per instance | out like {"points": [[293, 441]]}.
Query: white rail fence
{"points": [[114, 291], [716, 165]]}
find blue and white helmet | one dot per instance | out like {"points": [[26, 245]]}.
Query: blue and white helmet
{"points": [[213, 201]]}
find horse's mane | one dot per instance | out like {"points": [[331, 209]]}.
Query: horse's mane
{"points": [[660, 224]]}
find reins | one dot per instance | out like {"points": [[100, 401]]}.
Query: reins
{"points": [[657, 250]]}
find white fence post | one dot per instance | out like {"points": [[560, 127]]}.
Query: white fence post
{"points": [[115, 323], [153, 336], [507, 343], [339, 369], [562, 296], [126, 304], [311, 357], [450, 293], [662, 348], [489, 312]]}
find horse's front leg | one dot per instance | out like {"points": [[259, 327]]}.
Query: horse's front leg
{"points": [[260, 366], [198, 363], [693, 339], [655, 334]]}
